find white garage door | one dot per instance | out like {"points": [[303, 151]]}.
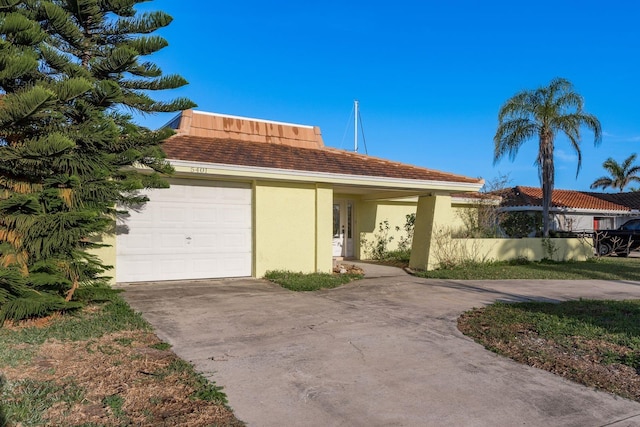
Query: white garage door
{"points": [[193, 231]]}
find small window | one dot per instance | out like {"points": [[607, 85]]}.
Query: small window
{"points": [[602, 223]]}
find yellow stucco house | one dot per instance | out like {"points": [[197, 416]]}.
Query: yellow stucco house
{"points": [[252, 195]]}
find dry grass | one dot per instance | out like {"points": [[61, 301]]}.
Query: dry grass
{"points": [[595, 343], [126, 377]]}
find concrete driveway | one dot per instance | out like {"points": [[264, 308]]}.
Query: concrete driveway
{"points": [[383, 351]]}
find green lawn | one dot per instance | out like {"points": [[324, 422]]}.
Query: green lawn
{"points": [[610, 268], [596, 343], [309, 282]]}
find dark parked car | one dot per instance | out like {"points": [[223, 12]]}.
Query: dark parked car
{"points": [[621, 241]]}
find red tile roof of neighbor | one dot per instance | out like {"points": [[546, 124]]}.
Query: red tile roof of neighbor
{"points": [[477, 196], [249, 142], [532, 196]]}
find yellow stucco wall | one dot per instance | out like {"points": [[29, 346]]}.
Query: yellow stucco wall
{"points": [[482, 250], [324, 228], [433, 213], [107, 254], [458, 212], [292, 227], [369, 215]]}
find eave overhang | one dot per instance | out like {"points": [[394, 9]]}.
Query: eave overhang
{"points": [[395, 187]]}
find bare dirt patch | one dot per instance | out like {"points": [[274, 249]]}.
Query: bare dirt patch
{"points": [[39, 322]]}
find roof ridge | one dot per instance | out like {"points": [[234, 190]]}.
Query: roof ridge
{"points": [[232, 151], [567, 198], [393, 162]]}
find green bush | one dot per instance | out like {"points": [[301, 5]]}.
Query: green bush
{"points": [[400, 255], [518, 224]]}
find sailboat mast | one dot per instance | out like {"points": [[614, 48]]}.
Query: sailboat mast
{"points": [[355, 126]]}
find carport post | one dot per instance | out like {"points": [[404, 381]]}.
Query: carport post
{"points": [[433, 213]]}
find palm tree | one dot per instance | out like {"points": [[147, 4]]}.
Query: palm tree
{"points": [[620, 175], [543, 113]]}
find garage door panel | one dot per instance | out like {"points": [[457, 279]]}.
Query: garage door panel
{"points": [[234, 195], [154, 216], [235, 214], [237, 264], [231, 265], [150, 242], [188, 232], [205, 216], [132, 266], [144, 240], [211, 244], [170, 268], [236, 241], [136, 268], [172, 241], [172, 216], [142, 219], [205, 242]]}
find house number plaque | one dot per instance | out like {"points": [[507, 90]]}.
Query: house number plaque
{"points": [[199, 170]]}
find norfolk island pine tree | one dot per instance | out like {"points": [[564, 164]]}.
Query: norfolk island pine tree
{"points": [[68, 70]]}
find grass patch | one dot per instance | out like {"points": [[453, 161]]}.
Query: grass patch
{"points": [[161, 346], [111, 316], [593, 342], [398, 258], [101, 366], [309, 282], [27, 400], [114, 403], [18, 344], [610, 268]]}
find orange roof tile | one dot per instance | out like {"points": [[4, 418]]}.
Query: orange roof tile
{"points": [[230, 140], [280, 156], [532, 196]]}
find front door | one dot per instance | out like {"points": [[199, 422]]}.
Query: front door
{"points": [[343, 228]]}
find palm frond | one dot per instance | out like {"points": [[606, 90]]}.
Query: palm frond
{"points": [[544, 112], [620, 175]]}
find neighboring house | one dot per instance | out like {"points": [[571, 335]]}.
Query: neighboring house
{"points": [[252, 195], [575, 210]]}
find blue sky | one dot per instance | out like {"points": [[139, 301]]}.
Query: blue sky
{"points": [[430, 76]]}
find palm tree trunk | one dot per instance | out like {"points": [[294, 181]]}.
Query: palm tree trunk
{"points": [[546, 155]]}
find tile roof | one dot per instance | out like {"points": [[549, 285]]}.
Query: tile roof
{"points": [[476, 196], [281, 156], [630, 200], [532, 196]]}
